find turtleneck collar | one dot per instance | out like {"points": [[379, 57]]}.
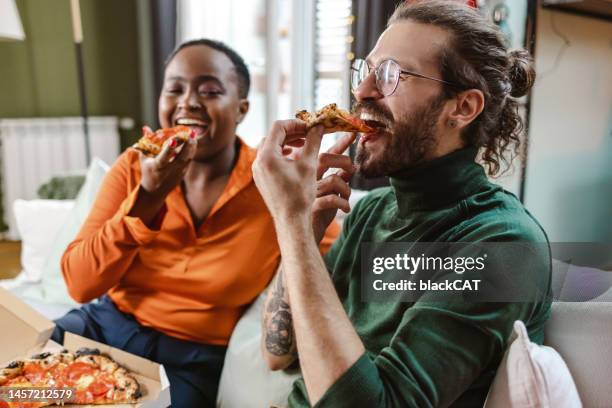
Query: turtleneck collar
{"points": [[438, 183]]}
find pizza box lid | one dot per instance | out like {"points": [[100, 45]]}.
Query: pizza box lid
{"points": [[25, 332]]}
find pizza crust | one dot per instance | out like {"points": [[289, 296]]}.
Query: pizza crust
{"points": [[11, 371], [128, 387]]}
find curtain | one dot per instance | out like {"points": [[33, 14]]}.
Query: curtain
{"points": [[370, 21], [163, 32]]}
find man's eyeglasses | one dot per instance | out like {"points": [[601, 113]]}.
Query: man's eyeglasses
{"points": [[388, 74]]}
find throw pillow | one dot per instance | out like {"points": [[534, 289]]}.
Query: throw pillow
{"points": [[38, 221], [532, 376], [53, 288]]}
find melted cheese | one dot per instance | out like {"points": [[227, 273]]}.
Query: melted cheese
{"points": [[84, 382]]}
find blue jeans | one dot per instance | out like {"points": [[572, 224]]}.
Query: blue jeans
{"points": [[193, 369]]}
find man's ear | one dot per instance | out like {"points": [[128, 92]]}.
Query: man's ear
{"points": [[243, 108], [469, 104]]}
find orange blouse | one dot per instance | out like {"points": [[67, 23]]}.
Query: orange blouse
{"points": [[189, 284]]}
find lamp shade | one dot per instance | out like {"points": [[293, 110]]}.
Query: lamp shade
{"points": [[10, 23]]}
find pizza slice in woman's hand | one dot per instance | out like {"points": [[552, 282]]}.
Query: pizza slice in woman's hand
{"points": [[334, 119], [151, 143]]}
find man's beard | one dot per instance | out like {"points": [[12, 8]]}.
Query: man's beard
{"points": [[410, 139]]}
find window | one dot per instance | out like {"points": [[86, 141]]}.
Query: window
{"points": [[241, 25], [296, 51], [332, 43], [332, 59]]}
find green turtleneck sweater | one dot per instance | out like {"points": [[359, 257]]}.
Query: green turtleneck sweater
{"points": [[427, 354]]}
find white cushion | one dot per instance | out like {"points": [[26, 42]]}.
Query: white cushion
{"points": [[38, 221], [581, 332], [52, 288], [532, 376], [246, 380]]}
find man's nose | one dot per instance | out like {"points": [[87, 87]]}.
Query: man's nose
{"points": [[368, 90]]}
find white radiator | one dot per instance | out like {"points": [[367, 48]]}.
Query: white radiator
{"points": [[34, 150]]}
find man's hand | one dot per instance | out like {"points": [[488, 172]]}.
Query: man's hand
{"points": [[288, 186], [289, 154], [333, 191]]}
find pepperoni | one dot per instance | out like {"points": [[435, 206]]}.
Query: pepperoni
{"points": [[4, 404], [33, 372], [58, 374], [83, 397], [77, 370], [100, 387]]}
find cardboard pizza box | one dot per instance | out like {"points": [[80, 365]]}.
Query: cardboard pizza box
{"points": [[24, 331]]}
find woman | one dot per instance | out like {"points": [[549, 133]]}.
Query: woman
{"points": [[177, 246]]}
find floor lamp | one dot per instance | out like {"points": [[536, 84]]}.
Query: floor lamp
{"points": [[10, 30], [77, 31]]}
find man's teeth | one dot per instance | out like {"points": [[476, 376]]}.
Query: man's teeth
{"points": [[367, 116], [191, 122], [372, 120]]}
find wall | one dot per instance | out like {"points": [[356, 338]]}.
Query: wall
{"points": [[569, 173], [38, 76]]}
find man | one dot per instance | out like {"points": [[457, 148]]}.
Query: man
{"points": [[439, 85]]}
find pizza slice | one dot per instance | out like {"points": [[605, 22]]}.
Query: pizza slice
{"points": [[334, 119], [95, 378], [151, 143]]}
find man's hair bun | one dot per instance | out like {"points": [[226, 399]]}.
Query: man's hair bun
{"points": [[521, 72]]}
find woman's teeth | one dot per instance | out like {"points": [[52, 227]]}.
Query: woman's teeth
{"points": [[199, 127], [191, 122]]}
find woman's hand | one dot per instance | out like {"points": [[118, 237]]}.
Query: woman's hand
{"points": [[161, 174]]}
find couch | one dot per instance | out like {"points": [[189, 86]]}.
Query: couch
{"points": [[581, 331]]}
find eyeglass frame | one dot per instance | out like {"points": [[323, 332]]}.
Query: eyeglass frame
{"points": [[401, 71]]}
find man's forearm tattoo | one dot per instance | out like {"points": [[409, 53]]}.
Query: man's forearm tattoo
{"points": [[279, 330]]}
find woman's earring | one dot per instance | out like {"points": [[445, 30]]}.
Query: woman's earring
{"points": [[452, 124]]}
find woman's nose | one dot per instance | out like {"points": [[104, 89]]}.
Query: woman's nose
{"points": [[190, 101]]}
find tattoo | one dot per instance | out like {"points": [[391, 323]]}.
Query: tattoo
{"points": [[278, 337], [279, 329]]}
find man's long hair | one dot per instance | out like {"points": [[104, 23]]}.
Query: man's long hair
{"points": [[476, 57]]}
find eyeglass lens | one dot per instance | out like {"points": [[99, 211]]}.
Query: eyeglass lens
{"points": [[387, 75]]}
